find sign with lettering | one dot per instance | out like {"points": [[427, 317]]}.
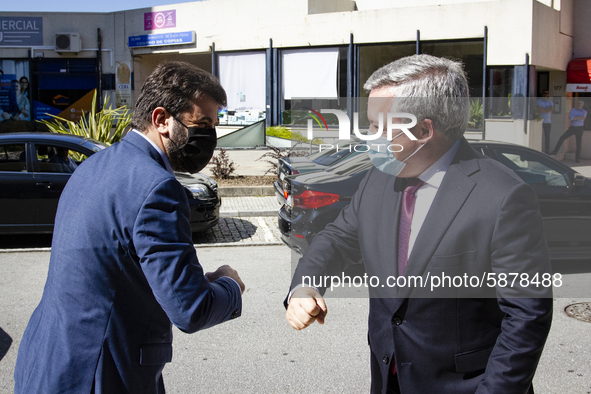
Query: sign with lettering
{"points": [[21, 31], [159, 20], [154, 40]]}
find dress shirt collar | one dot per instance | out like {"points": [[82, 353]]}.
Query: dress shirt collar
{"points": [[433, 176], [162, 155]]}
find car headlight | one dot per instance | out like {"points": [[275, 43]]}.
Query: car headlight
{"points": [[200, 191]]}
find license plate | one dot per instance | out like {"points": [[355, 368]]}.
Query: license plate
{"points": [[282, 176]]}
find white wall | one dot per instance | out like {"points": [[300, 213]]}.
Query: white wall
{"points": [[582, 29], [552, 40], [239, 24]]}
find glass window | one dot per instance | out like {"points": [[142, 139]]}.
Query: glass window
{"points": [[53, 158], [243, 77], [372, 57], [319, 74], [13, 158], [470, 53], [533, 169]]}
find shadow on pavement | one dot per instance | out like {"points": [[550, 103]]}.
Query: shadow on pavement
{"points": [[20, 241], [228, 230], [5, 342]]}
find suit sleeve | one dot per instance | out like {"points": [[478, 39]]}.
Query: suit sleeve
{"points": [[163, 244], [334, 247], [519, 246]]}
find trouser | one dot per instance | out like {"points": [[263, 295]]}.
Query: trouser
{"points": [[577, 131], [547, 127]]}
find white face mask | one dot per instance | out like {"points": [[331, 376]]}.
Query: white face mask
{"points": [[383, 158]]}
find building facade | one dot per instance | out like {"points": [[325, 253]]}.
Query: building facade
{"points": [[270, 53]]}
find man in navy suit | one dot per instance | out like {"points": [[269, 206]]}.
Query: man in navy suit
{"points": [[472, 216], [123, 266]]}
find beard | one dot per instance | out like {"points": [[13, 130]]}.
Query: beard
{"points": [[177, 139]]}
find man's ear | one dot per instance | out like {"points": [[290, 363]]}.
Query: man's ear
{"points": [[161, 120], [424, 130]]}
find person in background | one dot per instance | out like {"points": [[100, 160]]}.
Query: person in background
{"points": [[24, 81], [577, 122], [62, 157], [545, 107], [24, 108]]}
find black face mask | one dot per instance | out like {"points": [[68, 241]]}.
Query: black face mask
{"points": [[199, 148]]}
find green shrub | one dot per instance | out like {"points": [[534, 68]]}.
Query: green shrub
{"points": [[95, 125], [283, 132]]}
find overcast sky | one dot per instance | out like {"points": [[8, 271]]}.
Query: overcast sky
{"points": [[81, 6]]}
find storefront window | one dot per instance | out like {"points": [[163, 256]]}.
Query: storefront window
{"points": [[243, 77], [471, 54], [319, 74], [15, 101], [65, 88], [507, 92], [372, 57]]}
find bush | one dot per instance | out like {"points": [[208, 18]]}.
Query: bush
{"points": [[273, 157], [283, 132], [222, 166], [95, 125]]}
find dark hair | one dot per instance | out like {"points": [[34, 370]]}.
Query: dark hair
{"points": [[174, 85]]}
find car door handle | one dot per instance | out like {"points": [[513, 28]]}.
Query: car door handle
{"points": [[47, 185]]}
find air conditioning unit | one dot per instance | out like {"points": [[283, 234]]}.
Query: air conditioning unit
{"points": [[68, 42]]}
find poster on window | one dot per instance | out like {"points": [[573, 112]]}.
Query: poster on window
{"points": [[15, 103], [65, 88], [123, 85]]}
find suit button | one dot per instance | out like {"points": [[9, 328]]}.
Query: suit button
{"points": [[386, 359], [397, 320]]}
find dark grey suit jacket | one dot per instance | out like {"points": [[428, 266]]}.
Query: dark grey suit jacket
{"points": [[484, 219]]}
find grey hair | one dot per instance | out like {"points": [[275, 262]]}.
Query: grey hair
{"points": [[437, 86]]}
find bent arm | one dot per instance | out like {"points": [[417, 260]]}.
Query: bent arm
{"points": [[163, 243]]}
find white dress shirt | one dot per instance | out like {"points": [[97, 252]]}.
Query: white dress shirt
{"points": [[432, 176]]}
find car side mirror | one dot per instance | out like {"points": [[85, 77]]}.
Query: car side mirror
{"points": [[579, 180]]}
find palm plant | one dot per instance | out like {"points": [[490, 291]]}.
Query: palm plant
{"points": [[106, 126]]}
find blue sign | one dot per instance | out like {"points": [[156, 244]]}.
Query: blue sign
{"points": [[154, 40], [21, 31]]}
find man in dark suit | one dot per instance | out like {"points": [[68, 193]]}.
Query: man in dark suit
{"points": [[123, 265], [472, 217]]}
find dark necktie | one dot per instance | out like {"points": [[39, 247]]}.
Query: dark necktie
{"points": [[407, 209]]}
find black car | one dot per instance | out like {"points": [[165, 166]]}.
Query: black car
{"points": [[34, 168], [327, 155], [315, 199]]}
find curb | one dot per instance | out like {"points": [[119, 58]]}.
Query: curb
{"points": [[197, 246], [245, 191], [248, 214]]}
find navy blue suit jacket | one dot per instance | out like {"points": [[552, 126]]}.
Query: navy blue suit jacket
{"points": [[484, 219], [122, 268]]}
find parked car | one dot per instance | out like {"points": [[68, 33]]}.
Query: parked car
{"points": [[32, 179], [315, 199], [327, 155]]}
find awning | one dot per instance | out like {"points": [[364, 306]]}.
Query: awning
{"points": [[578, 75]]}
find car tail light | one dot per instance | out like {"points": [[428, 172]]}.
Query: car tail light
{"points": [[294, 171], [314, 199]]}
